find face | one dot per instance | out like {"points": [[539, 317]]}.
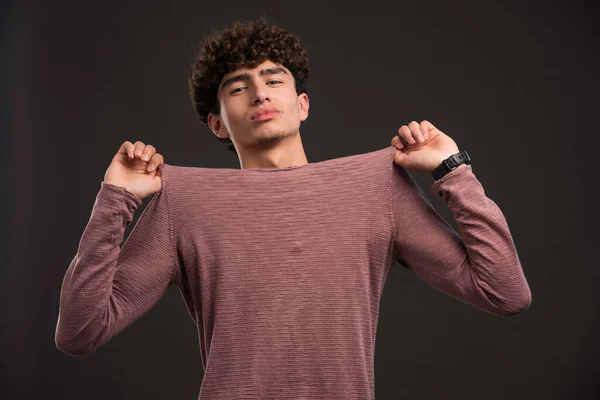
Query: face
{"points": [[258, 106]]}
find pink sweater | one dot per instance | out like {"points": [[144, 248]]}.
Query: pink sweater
{"points": [[282, 269]]}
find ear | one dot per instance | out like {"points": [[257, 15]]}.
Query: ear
{"points": [[216, 125], [304, 106]]}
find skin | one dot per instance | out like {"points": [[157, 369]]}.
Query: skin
{"points": [[273, 143], [135, 168], [425, 149]]}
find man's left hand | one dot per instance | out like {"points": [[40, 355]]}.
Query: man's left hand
{"points": [[426, 149]]}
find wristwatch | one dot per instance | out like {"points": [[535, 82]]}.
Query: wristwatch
{"points": [[450, 163]]}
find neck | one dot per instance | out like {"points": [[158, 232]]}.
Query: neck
{"points": [[280, 153]]}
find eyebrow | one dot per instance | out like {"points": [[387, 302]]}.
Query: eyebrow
{"points": [[246, 76]]}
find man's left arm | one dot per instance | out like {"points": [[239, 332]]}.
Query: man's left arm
{"points": [[480, 266]]}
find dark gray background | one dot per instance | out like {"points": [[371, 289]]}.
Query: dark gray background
{"points": [[514, 83]]}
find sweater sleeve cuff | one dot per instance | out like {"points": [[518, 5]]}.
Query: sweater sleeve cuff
{"points": [[116, 197], [451, 178]]}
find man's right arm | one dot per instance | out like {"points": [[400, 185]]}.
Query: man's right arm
{"points": [[106, 288]]}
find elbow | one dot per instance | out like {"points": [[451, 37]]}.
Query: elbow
{"points": [[71, 344], [508, 303], [518, 307], [67, 348], [72, 347]]}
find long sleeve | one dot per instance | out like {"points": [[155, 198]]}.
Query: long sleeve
{"points": [[480, 266], [106, 287]]}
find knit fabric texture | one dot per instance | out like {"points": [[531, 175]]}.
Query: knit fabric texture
{"points": [[282, 269]]}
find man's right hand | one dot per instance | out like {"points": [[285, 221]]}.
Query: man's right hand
{"points": [[135, 168]]}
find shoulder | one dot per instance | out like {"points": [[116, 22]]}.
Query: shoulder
{"points": [[177, 177], [378, 161]]}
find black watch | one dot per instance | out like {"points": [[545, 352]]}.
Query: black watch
{"points": [[450, 163]]}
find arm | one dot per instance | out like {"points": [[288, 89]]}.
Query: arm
{"points": [[479, 267], [106, 288]]}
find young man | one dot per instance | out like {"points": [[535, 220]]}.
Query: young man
{"points": [[281, 263]]}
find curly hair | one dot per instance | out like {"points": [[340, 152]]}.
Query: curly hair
{"points": [[243, 45]]}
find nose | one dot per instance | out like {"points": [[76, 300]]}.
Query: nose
{"points": [[260, 93]]}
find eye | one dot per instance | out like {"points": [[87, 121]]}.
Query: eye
{"points": [[236, 89], [274, 81]]}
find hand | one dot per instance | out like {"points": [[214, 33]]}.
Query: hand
{"points": [[426, 149], [135, 168]]}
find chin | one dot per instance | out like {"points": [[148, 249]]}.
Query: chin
{"points": [[271, 133]]}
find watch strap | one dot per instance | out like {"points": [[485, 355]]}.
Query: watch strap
{"points": [[450, 164]]}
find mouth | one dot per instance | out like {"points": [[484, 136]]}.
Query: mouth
{"points": [[265, 115]]}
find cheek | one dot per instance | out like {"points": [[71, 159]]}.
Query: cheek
{"points": [[294, 108], [232, 113]]}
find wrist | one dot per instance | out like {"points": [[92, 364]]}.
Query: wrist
{"points": [[454, 161]]}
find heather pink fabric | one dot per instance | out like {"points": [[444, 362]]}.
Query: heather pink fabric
{"points": [[282, 269]]}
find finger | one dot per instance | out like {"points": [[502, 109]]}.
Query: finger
{"points": [[416, 131], [397, 142], [155, 162], [130, 149], [139, 148], [126, 148], [426, 126], [149, 151], [405, 135], [403, 141]]}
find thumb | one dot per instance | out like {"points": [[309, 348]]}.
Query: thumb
{"points": [[400, 158]]}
